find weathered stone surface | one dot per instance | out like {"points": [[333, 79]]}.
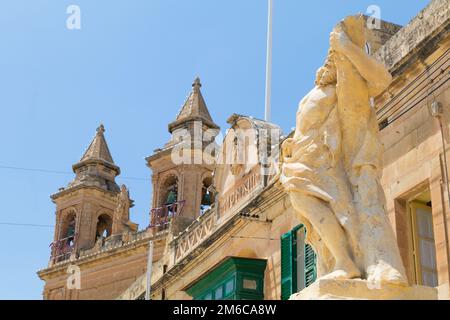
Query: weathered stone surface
{"points": [[429, 21]]}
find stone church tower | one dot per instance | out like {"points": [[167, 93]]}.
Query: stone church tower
{"points": [[187, 182], [85, 208]]}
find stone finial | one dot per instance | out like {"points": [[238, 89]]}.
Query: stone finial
{"points": [[197, 84], [101, 129], [98, 148]]}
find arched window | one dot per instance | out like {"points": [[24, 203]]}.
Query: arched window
{"points": [[207, 195], [68, 227], [65, 242], [104, 226], [169, 191]]}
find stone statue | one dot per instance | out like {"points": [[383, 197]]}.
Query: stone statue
{"points": [[122, 221], [332, 165], [123, 206]]}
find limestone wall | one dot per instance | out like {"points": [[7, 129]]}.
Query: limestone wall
{"points": [[413, 161], [427, 24], [104, 276]]}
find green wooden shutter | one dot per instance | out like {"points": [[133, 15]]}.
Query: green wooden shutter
{"points": [[287, 270], [289, 283], [294, 258], [310, 265]]}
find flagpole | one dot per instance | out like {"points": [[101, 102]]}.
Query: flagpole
{"points": [[269, 63], [149, 270]]}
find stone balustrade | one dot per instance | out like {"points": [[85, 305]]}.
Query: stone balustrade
{"points": [[198, 231]]}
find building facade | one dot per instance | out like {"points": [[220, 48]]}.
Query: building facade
{"points": [[223, 227]]}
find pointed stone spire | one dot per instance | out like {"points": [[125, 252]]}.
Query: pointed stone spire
{"points": [[98, 149], [194, 109], [97, 153], [96, 168]]}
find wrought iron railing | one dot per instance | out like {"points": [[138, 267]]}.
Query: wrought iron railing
{"points": [[161, 217], [62, 248]]}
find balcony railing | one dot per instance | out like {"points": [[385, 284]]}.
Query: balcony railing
{"points": [[62, 248], [114, 241], [197, 232], [161, 217]]}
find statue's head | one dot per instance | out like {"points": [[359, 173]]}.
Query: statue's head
{"points": [[354, 28], [326, 75]]}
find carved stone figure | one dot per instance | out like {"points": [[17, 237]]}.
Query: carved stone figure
{"points": [[122, 221], [332, 164]]}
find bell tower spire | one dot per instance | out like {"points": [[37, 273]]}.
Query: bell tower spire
{"points": [[194, 109], [96, 166], [181, 183], [85, 209]]}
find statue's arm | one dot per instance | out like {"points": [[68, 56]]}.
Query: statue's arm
{"points": [[375, 72]]}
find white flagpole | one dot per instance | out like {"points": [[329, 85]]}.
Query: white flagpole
{"points": [[149, 270], [269, 63]]}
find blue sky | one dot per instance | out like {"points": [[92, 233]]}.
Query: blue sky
{"points": [[131, 66]]}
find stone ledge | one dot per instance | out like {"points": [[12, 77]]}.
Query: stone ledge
{"points": [[362, 290]]}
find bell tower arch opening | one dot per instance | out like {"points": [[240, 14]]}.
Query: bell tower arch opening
{"points": [[207, 195], [168, 190], [104, 226], [68, 228]]}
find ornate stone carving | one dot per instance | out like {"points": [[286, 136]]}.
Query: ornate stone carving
{"points": [[121, 221]]}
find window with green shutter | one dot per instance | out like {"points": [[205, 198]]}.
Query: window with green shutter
{"points": [[234, 279], [310, 265], [298, 262], [288, 260]]}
